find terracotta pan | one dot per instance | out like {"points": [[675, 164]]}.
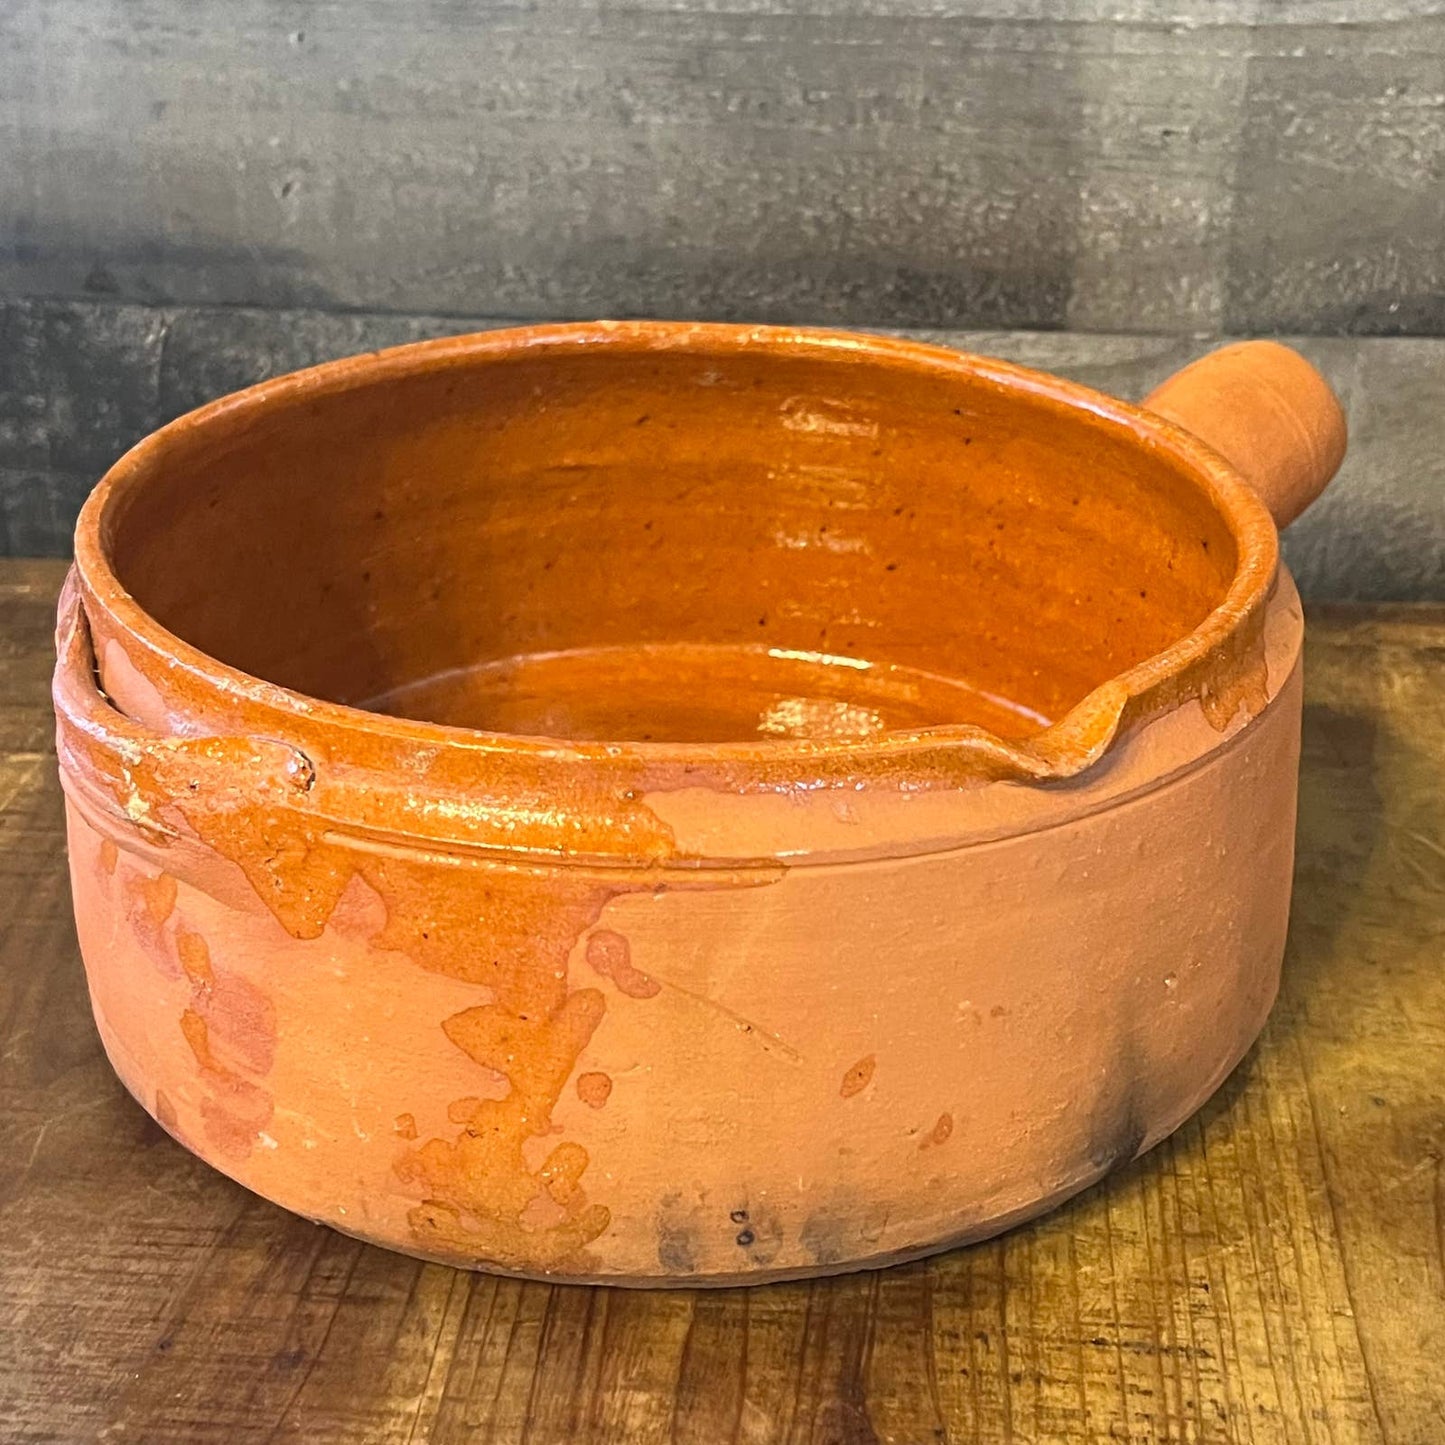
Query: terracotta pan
{"points": [[664, 804]]}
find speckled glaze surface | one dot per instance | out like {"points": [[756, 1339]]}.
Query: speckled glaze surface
{"points": [[669, 804]]}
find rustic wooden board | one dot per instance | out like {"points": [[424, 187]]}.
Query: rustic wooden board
{"points": [[1273, 1273], [1210, 164], [81, 381]]}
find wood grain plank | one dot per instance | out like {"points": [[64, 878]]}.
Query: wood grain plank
{"points": [[1272, 1274], [875, 162], [1333, 217]]}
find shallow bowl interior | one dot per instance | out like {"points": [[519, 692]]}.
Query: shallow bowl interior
{"points": [[687, 544]]}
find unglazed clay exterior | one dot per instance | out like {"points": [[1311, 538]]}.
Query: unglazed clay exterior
{"points": [[662, 804]]}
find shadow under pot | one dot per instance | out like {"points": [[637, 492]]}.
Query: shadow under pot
{"points": [[673, 804]]}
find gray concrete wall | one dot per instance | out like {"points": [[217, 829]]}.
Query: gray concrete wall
{"points": [[195, 192]]}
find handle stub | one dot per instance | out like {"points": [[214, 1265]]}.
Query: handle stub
{"points": [[1268, 412]]}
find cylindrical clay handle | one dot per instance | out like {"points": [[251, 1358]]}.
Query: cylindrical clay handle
{"points": [[1267, 411]]}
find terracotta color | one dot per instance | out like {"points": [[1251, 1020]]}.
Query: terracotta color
{"points": [[886, 826], [1264, 408]]}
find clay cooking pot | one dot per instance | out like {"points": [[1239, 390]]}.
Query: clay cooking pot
{"points": [[662, 804]]}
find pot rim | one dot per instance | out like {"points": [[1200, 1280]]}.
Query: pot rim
{"points": [[1202, 661]]}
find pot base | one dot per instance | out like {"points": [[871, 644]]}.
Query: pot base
{"points": [[884, 1259]]}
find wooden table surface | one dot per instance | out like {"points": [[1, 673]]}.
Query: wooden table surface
{"points": [[1274, 1272]]}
